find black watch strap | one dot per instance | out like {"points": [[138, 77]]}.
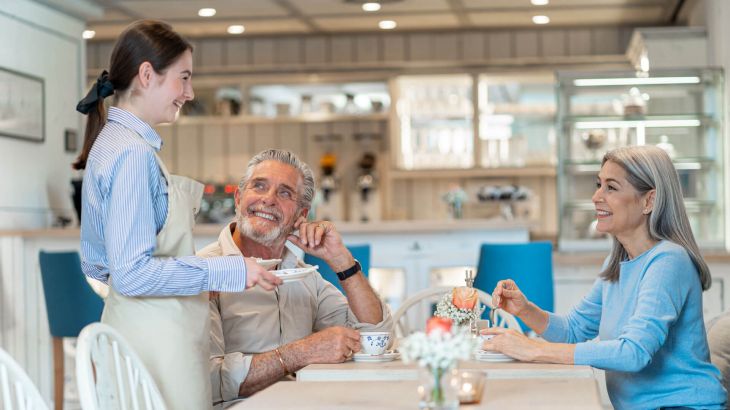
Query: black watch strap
{"points": [[350, 271]]}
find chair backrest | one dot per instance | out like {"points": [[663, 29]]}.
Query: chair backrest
{"points": [[71, 304], [359, 252], [530, 265], [17, 391], [110, 375], [433, 295]]}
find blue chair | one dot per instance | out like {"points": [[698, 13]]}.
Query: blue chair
{"points": [[530, 265], [359, 252], [71, 304]]}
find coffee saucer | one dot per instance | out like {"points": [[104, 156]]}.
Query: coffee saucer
{"points": [[490, 356], [294, 274], [375, 358]]}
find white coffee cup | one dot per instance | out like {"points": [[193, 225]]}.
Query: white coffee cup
{"points": [[374, 343]]}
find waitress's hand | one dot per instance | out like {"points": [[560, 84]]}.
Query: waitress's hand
{"points": [[508, 296], [258, 275]]}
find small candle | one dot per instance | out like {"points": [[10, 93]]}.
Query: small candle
{"points": [[470, 389], [466, 394]]}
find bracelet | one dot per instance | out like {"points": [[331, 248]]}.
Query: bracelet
{"points": [[281, 360]]}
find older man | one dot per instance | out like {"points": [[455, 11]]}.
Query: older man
{"points": [[259, 337]]}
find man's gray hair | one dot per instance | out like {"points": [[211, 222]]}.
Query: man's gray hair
{"points": [[649, 167], [306, 190]]}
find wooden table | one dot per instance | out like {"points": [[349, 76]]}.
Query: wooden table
{"points": [[397, 370], [498, 394]]}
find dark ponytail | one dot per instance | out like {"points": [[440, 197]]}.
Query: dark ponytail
{"points": [[93, 106], [149, 41]]}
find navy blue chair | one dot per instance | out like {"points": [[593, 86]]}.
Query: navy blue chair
{"points": [[530, 265], [71, 304], [359, 252]]}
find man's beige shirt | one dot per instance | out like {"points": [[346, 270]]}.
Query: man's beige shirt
{"points": [[257, 321]]}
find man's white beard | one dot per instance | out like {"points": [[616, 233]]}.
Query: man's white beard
{"points": [[269, 238]]}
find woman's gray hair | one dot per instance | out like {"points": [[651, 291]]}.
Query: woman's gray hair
{"points": [[305, 192], [649, 167]]}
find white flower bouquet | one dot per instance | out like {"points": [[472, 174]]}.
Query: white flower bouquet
{"points": [[440, 347]]}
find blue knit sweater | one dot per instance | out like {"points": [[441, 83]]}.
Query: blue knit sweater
{"points": [[651, 333]]}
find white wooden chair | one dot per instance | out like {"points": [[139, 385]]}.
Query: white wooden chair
{"points": [[433, 295], [16, 389], [110, 375]]}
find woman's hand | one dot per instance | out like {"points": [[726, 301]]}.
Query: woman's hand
{"points": [[517, 345], [512, 343], [258, 275], [508, 296]]}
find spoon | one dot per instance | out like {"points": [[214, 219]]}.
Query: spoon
{"points": [[492, 314]]}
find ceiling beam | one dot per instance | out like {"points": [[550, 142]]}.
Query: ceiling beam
{"points": [[296, 13], [116, 5], [457, 7]]}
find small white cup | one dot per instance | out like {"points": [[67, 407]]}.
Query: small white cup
{"points": [[374, 343]]}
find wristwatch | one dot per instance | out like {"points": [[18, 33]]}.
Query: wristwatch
{"points": [[350, 271]]}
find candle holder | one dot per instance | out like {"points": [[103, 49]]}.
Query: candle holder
{"points": [[471, 386]]}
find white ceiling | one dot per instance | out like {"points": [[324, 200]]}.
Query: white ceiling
{"points": [[327, 16]]}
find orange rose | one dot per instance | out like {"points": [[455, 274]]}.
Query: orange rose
{"points": [[464, 298], [438, 323]]}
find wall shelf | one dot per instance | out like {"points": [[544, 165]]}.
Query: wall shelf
{"points": [[292, 119], [513, 172]]}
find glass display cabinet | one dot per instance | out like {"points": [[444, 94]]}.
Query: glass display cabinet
{"points": [[678, 110], [516, 120], [435, 126]]}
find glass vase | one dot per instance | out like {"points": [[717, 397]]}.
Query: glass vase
{"points": [[438, 389]]}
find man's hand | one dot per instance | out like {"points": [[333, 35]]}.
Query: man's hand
{"points": [[258, 275], [321, 239], [332, 345]]}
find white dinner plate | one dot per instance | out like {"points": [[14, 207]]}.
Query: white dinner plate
{"points": [[487, 356], [294, 274], [268, 263], [375, 358]]}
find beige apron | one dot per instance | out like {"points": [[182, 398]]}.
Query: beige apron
{"points": [[170, 334]]}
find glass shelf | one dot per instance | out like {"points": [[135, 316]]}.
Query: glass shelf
{"points": [[681, 164]]}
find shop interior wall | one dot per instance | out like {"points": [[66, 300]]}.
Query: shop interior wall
{"points": [[35, 184]]}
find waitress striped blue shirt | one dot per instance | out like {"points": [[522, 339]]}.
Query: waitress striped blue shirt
{"points": [[124, 207]]}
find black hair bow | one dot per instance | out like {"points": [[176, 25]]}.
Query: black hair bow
{"points": [[100, 90]]}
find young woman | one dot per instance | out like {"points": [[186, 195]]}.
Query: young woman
{"points": [[136, 231], [646, 306]]}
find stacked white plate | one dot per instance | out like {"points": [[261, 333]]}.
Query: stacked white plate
{"points": [[294, 274], [375, 358], [490, 356]]}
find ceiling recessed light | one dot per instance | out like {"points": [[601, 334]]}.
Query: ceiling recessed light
{"points": [[540, 19], [540, 2], [206, 12], [371, 6], [236, 29], [88, 34], [387, 24]]}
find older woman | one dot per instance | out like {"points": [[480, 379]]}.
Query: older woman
{"points": [[646, 306]]}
